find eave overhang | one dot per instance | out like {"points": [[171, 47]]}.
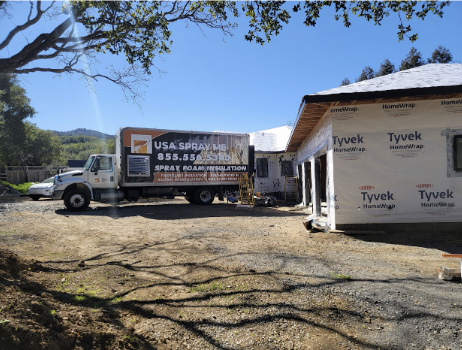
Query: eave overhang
{"points": [[314, 107]]}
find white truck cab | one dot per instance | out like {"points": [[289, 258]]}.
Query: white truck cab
{"points": [[98, 180]]}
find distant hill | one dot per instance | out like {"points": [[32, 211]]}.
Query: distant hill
{"points": [[83, 132]]}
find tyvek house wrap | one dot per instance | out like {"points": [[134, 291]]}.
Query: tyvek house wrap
{"points": [[393, 162]]}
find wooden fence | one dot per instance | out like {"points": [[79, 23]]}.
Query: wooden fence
{"points": [[15, 174]]}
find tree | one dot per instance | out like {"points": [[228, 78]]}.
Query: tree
{"points": [[412, 60], [367, 73], [385, 68], [15, 108], [345, 82], [142, 30], [22, 143], [41, 147], [440, 55]]}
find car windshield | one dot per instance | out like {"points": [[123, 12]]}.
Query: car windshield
{"points": [[49, 181], [88, 163]]}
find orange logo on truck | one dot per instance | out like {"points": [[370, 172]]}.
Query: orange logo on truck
{"points": [[141, 144]]}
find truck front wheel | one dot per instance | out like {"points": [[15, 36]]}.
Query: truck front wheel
{"points": [[204, 195], [76, 200]]}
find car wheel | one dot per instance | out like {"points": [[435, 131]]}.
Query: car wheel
{"points": [[76, 200], [204, 195], [35, 198]]}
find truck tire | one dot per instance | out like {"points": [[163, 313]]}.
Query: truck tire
{"points": [[189, 196], [190, 199], [204, 195], [76, 200]]}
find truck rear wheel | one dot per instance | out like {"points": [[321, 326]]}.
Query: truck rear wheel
{"points": [[190, 199], [76, 200], [204, 195]]}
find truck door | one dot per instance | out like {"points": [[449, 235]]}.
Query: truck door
{"points": [[102, 173]]}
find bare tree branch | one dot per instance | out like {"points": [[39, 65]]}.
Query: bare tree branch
{"points": [[30, 22]]}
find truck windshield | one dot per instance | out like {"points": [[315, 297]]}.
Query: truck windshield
{"points": [[88, 163]]}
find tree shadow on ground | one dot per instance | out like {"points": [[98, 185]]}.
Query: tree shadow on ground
{"points": [[208, 307]]}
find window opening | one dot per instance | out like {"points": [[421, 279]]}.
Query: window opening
{"points": [[262, 167], [287, 168]]}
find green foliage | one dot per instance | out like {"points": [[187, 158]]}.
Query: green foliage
{"points": [[42, 146], [21, 187], [440, 55], [141, 30], [412, 60], [14, 110], [83, 132], [386, 67], [22, 143], [266, 17], [345, 82], [367, 73], [81, 147]]}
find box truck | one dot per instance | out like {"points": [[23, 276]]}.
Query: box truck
{"points": [[153, 163]]}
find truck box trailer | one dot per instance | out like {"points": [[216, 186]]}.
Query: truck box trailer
{"points": [[159, 163]]}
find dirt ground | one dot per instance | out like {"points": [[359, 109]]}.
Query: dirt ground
{"points": [[171, 275]]}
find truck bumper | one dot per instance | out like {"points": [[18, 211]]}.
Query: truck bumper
{"points": [[58, 194]]}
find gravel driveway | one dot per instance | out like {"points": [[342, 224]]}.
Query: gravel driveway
{"points": [[171, 275]]}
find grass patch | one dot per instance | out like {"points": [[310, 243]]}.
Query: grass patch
{"points": [[21, 187], [115, 300], [130, 338], [80, 298]]}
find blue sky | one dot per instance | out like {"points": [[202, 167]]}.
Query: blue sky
{"points": [[213, 82]]}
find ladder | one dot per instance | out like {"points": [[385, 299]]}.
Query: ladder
{"points": [[290, 189], [246, 190]]}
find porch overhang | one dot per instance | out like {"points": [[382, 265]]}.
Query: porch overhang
{"points": [[314, 107]]}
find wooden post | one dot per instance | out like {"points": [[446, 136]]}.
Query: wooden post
{"points": [[317, 187]]}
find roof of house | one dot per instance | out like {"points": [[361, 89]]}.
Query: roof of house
{"points": [[271, 140], [431, 81]]}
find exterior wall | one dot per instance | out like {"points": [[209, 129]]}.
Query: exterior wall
{"points": [[274, 183], [393, 162], [318, 143]]}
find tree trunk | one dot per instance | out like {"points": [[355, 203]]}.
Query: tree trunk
{"points": [[24, 167]]}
